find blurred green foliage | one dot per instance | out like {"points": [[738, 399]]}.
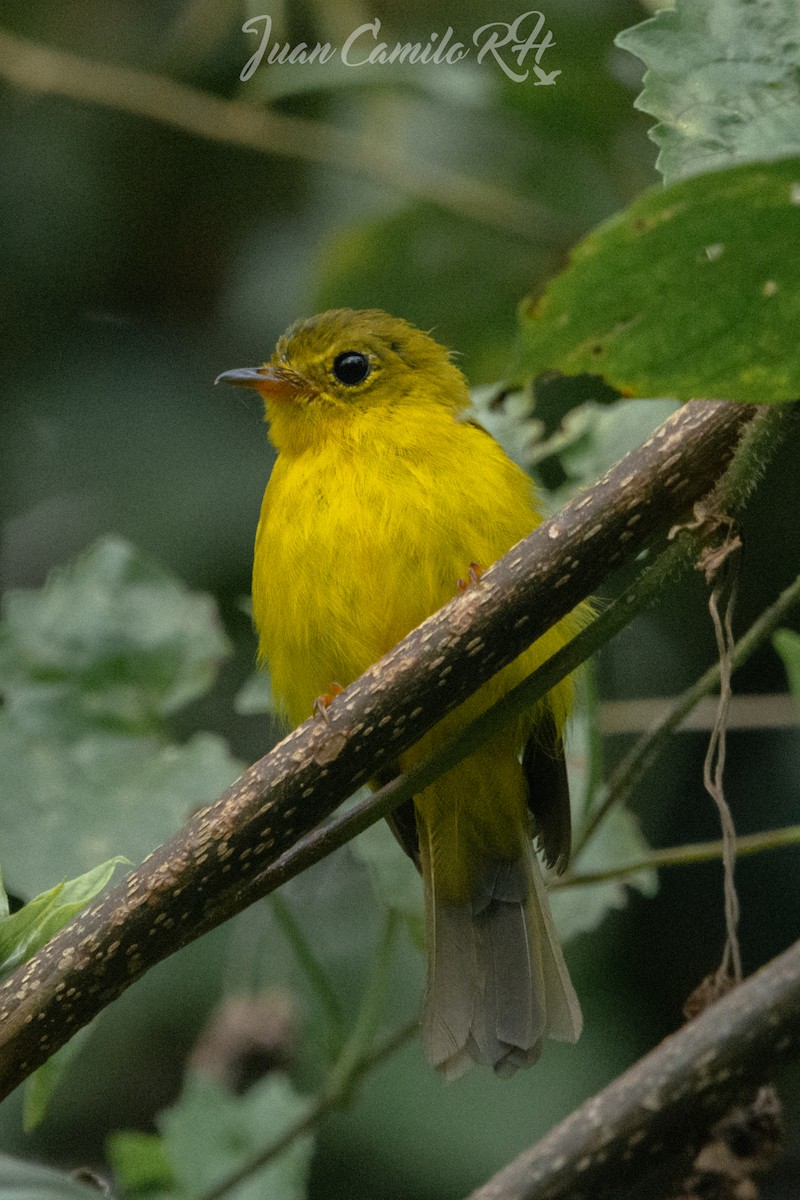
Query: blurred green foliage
{"points": [[91, 668], [140, 261], [208, 1135]]}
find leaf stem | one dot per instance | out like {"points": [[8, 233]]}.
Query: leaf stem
{"points": [[358, 1046], [310, 965], [674, 856]]}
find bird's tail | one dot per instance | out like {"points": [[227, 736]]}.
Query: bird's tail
{"points": [[497, 980]]}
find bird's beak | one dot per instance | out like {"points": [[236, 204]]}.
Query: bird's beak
{"points": [[278, 383]]}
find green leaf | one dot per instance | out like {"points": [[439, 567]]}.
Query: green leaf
{"points": [[41, 1085], [787, 645], [210, 1133], [28, 1181], [111, 641], [139, 1163], [64, 806], [690, 293], [618, 840], [255, 695], [90, 666], [607, 432], [22, 934], [723, 80]]}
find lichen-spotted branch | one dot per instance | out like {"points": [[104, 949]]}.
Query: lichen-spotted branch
{"points": [[662, 1106], [212, 868]]}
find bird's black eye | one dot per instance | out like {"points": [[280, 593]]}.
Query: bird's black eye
{"points": [[351, 367]]}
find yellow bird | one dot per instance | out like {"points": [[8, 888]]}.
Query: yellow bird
{"points": [[382, 496]]}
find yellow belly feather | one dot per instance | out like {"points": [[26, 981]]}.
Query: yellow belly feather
{"points": [[351, 554]]}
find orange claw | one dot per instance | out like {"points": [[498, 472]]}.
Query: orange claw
{"points": [[323, 702], [473, 575]]}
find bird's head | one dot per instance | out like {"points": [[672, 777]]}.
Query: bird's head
{"points": [[329, 370]]}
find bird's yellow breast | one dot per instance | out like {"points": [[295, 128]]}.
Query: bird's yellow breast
{"points": [[366, 534]]}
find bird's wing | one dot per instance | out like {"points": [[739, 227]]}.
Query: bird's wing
{"points": [[403, 824], [402, 821], [545, 773]]}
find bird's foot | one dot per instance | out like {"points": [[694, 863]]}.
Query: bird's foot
{"points": [[473, 577], [323, 702]]}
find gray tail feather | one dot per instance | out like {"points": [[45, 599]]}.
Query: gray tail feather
{"points": [[497, 980]]}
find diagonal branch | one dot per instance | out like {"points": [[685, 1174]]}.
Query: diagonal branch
{"points": [[664, 1105], [210, 869], [45, 70]]}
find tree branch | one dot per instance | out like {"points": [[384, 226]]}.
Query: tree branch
{"points": [[664, 1105], [46, 70], [210, 869]]}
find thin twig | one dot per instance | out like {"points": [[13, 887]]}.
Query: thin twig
{"points": [[640, 757], [748, 711], [682, 856], [46, 70]]}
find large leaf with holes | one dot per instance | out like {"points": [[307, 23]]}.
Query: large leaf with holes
{"points": [[694, 291]]}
